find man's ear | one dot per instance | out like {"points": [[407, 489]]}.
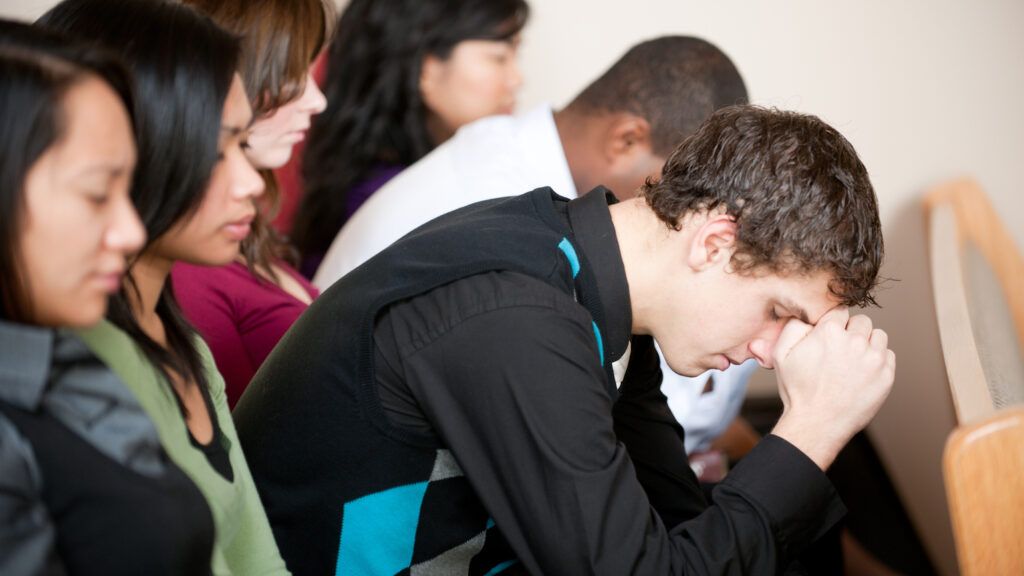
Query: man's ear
{"points": [[628, 137], [629, 155], [713, 241]]}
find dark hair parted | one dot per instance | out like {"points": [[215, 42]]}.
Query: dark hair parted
{"points": [[37, 70], [376, 115], [800, 196], [183, 65], [674, 82], [279, 40]]}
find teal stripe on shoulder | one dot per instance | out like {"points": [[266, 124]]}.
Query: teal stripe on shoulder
{"points": [[600, 342], [570, 254], [500, 567]]}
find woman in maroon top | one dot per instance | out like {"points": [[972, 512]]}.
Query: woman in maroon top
{"points": [[244, 308]]}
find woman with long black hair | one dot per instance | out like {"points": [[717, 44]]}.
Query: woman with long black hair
{"points": [[195, 190], [402, 77], [85, 486]]}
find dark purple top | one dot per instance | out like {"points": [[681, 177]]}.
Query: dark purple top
{"points": [[359, 193], [240, 317]]}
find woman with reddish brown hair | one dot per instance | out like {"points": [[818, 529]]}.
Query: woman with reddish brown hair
{"points": [[242, 309]]}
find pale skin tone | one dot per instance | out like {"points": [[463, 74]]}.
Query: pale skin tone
{"points": [[79, 225], [211, 236], [273, 136], [270, 144], [834, 370], [478, 78]]}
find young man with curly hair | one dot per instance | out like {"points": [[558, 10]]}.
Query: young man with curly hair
{"points": [[453, 405]]}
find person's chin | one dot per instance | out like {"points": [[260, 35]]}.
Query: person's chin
{"points": [[225, 255], [506, 109], [688, 369], [279, 158], [90, 310], [272, 159], [713, 362]]}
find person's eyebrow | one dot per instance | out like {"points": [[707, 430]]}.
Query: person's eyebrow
{"points": [[236, 129], [233, 131], [111, 170], [796, 310]]}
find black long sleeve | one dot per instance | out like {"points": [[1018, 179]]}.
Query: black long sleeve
{"points": [[513, 386], [655, 439]]}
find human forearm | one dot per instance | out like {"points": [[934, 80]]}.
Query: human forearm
{"points": [[538, 446], [833, 379]]}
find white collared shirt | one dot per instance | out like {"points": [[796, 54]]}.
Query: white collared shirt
{"points": [[493, 157]]}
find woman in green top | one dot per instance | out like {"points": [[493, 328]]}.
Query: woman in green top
{"points": [[194, 190]]}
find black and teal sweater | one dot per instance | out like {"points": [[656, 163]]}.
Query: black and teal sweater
{"points": [[449, 407]]}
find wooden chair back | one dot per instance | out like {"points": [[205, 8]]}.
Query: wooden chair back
{"points": [[978, 284]]}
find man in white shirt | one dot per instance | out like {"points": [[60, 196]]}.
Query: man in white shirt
{"points": [[616, 133]]}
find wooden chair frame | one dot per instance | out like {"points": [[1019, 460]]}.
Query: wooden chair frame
{"points": [[959, 213], [983, 462]]}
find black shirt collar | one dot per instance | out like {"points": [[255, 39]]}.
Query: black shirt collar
{"points": [[592, 227]]}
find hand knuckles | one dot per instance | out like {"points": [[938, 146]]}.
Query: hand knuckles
{"points": [[862, 320]]}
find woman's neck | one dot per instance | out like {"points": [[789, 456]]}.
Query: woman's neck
{"points": [[149, 273], [437, 130]]}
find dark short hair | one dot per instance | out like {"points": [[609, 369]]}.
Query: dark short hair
{"points": [[674, 82], [37, 70], [801, 197], [183, 65], [376, 113]]}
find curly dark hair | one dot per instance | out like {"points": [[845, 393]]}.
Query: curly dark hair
{"points": [[376, 113], [800, 196]]}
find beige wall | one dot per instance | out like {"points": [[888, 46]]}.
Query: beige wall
{"points": [[24, 9], [926, 90]]}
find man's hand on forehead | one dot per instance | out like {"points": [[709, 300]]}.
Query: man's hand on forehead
{"points": [[833, 379]]}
